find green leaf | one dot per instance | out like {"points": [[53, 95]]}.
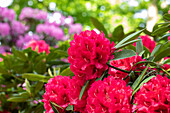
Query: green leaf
{"points": [[70, 108], [54, 108], [24, 94], [162, 54], [125, 53], [145, 81], [19, 54], [38, 87], [164, 36], [99, 25], [139, 79], [61, 53], [40, 67], [17, 99], [129, 37], [83, 89], [118, 33], [139, 46], [128, 43], [166, 16], [28, 86], [161, 30], [67, 72], [35, 77], [155, 50], [8, 63]]}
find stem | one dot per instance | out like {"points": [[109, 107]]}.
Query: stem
{"points": [[118, 68]]}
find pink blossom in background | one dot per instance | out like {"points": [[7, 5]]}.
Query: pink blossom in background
{"points": [[88, 54], [75, 28], [57, 92], [147, 42], [28, 13], [8, 14], [50, 30], [20, 43], [39, 46], [4, 29], [169, 11], [154, 96], [125, 64], [109, 96], [18, 27]]}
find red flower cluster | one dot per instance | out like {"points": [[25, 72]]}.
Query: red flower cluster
{"points": [[41, 46], [56, 92], [88, 54], [125, 64], [147, 42], [109, 96], [154, 96], [63, 91]]}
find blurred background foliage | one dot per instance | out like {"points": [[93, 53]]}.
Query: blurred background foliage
{"points": [[130, 13]]}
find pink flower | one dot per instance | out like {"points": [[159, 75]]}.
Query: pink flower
{"points": [[75, 28], [75, 86], [4, 29], [18, 27], [109, 96], [40, 46], [88, 54], [56, 92], [125, 64], [147, 42], [154, 96]]}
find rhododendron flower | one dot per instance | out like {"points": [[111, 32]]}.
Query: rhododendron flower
{"points": [[88, 54], [40, 46], [147, 42], [75, 28], [18, 27], [125, 64], [154, 96], [4, 29], [109, 96], [56, 92], [75, 86], [8, 14]]}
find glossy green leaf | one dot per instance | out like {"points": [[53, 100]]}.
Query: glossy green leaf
{"points": [[54, 108], [139, 46], [139, 79], [128, 43], [70, 108], [83, 89], [99, 25], [67, 72], [166, 16], [28, 86], [35, 77], [155, 50], [17, 99], [125, 53], [162, 54], [118, 33], [161, 30], [129, 37]]}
